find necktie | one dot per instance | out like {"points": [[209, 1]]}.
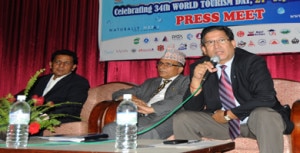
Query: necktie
{"points": [[161, 86], [227, 99]]}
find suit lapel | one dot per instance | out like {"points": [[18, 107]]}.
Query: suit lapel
{"points": [[233, 74], [172, 86]]}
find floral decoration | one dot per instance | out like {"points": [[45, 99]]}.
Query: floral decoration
{"points": [[39, 120]]}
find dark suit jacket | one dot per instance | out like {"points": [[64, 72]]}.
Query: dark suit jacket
{"points": [[252, 87], [73, 88]]}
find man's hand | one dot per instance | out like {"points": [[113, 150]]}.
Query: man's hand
{"points": [[199, 73], [201, 69], [134, 99], [218, 116], [145, 109], [138, 101], [142, 106]]}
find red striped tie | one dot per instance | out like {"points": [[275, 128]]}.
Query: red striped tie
{"points": [[227, 99]]}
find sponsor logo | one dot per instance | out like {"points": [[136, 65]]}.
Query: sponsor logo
{"points": [[274, 42], [189, 36], [285, 31], [160, 48], [193, 46], [165, 39], [177, 37], [198, 35], [256, 33], [136, 41], [272, 32], [285, 41], [240, 33], [242, 44], [182, 46], [250, 33], [262, 42], [146, 40], [133, 50], [146, 50], [295, 41], [251, 44], [260, 33]]}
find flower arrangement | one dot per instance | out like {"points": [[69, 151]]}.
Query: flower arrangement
{"points": [[38, 119]]}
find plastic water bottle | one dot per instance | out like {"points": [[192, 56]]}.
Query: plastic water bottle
{"points": [[126, 132], [17, 130]]}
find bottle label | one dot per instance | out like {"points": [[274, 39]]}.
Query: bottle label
{"points": [[19, 118], [126, 118]]}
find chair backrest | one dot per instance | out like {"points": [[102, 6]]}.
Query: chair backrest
{"points": [[287, 91], [101, 93]]}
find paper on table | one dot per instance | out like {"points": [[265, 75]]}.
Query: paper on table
{"points": [[78, 138], [192, 144]]}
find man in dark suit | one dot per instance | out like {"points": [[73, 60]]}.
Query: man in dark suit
{"points": [[63, 85], [153, 105], [256, 112]]}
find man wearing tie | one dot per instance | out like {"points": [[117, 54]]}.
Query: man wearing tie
{"points": [[157, 97], [237, 98]]}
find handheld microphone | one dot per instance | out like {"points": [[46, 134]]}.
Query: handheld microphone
{"points": [[214, 60]]}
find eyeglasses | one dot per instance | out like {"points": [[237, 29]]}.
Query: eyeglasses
{"points": [[167, 64], [58, 62], [219, 41]]}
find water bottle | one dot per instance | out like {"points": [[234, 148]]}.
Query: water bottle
{"points": [[126, 132], [17, 130]]}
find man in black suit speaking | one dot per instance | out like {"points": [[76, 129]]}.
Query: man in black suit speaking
{"points": [[63, 85], [237, 99]]}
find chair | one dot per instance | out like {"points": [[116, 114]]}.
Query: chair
{"points": [[287, 93], [95, 95]]}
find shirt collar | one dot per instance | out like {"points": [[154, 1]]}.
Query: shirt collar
{"points": [[172, 79], [228, 68]]}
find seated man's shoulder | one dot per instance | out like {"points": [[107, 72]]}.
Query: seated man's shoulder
{"points": [[184, 77], [78, 78]]}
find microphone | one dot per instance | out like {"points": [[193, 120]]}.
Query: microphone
{"points": [[214, 60]]}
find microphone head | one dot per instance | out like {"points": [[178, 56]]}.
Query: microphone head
{"points": [[215, 60]]}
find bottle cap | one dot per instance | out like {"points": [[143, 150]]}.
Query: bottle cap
{"points": [[21, 97], [127, 96]]}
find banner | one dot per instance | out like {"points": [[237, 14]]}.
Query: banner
{"points": [[143, 29]]}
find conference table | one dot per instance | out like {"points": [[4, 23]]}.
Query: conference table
{"points": [[37, 145]]}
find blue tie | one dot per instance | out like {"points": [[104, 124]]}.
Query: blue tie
{"points": [[227, 99]]}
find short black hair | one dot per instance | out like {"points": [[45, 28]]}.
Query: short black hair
{"points": [[65, 52], [206, 30]]}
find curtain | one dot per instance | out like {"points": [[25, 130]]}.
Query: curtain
{"points": [[280, 65], [31, 30]]}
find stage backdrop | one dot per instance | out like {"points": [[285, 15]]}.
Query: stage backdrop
{"points": [[31, 30], [143, 29]]}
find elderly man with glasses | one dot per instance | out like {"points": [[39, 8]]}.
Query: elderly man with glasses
{"points": [[157, 97]]}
